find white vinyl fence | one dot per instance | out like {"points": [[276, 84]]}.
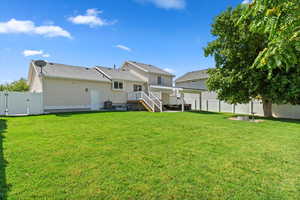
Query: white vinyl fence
{"points": [[20, 103], [213, 105], [209, 102]]}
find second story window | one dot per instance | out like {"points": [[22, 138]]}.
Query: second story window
{"points": [[159, 80], [118, 85]]}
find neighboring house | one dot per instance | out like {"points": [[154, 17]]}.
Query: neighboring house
{"points": [[66, 87], [194, 81]]}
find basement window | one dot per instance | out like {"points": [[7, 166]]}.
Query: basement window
{"points": [[118, 85]]}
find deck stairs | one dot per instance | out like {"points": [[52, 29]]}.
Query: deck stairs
{"points": [[149, 101]]}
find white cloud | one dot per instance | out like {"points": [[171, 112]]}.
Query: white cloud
{"points": [[14, 26], [247, 1], [91, 18], [123, 47], [46, 55], [169, 70], [27, 53], [166, 4]]}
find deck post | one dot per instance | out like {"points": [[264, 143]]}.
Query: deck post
{"points": [[182, 101]]}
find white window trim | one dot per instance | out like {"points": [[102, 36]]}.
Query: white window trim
{"points": [[117, 89]]}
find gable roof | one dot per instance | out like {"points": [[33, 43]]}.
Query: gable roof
{"points": [[55, 70], [195, 75], [150, 68], [119, 74]]}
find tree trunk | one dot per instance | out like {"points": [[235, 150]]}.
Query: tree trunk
{"points": [[267, 107]]}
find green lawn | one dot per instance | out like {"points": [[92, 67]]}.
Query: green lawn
{"points": [[140, 155]]}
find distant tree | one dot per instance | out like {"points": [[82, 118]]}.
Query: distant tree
{"points": [[255, 57], [2, 87], [17, 86]]}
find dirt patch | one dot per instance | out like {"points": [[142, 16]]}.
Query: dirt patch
{"points": [[250, 120]]}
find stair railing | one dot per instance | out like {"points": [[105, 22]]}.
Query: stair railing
{"points": [[157, 101]]}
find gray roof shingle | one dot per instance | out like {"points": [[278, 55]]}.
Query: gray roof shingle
{"points": [[120, 74], [195, 75], [56, 70], [151, 68]]}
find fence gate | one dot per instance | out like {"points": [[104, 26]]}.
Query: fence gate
{"points": [[20, 103]]}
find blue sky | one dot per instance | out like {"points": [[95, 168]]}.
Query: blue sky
{"points": [[170, 34]]}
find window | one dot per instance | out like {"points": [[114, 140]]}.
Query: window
{"points": [[118, 85], [137, 88], [159, 80]]}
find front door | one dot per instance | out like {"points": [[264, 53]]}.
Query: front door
{"points": [[95, 100]]}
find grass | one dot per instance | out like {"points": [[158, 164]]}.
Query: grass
{"points": [[140, 155]]}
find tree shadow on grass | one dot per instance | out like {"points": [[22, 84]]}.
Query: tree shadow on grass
{"points": [[3, 185]]}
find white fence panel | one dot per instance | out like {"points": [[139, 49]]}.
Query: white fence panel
{"points": [[258, 108], [36, 103], [212, 105], [242, 109], [286, 111], [2, 103], [193, 99], [21, 103], [17, 103], [225, 107]]}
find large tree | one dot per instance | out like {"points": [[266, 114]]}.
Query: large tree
{"points": [[243, 69]]}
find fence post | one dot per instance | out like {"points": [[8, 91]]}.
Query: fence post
{"points": [[233, 108], [207, 105], [200, 102], [219, 106], [28, 106]]}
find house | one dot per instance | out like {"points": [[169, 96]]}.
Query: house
{"points": [[195, 82], [74, 88]]}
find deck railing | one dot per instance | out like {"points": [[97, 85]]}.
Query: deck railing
{"points": [[142, 96], [157, 101]]}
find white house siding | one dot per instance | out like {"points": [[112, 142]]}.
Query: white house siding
{"points": [[197, 84], [72, 94], [68, 94], [140, 73], [151, 78], [166, 80]]}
